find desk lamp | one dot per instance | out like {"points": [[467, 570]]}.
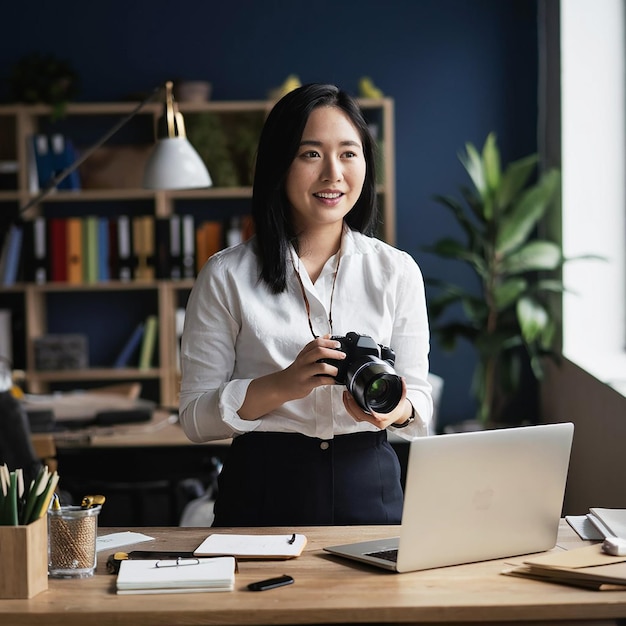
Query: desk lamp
{"points": [[174, 164]]}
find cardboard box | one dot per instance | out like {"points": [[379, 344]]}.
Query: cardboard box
{"points": [[24, 559]]}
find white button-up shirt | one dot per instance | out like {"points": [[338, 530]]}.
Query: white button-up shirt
{"points": [[236, 330]]}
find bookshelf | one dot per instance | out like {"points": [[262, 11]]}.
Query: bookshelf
{"points": [[107, 311]]}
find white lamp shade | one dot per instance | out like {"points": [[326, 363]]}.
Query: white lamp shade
{"points": [[174, 164]]}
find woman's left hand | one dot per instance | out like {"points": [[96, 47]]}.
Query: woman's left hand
{"points": [[381, 420]]}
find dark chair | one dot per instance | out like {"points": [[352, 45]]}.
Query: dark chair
{"points": [[16, 447]]}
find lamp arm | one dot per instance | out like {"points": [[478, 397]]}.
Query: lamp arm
{"points": [[85, 155]]}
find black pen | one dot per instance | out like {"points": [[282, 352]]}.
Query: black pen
{"points": [[150, 554]]}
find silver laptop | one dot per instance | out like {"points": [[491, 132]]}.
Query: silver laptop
{"points": [[476, 496]]}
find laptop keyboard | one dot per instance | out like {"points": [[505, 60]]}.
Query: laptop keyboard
{"points": [[387, 555]]}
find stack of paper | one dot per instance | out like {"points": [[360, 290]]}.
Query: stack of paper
{"points": [[599, 523], [176, 576], [587, 567], [609, 522]]}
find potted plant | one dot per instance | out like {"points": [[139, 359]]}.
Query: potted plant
{"points": [[509, 318], [44, 78]]}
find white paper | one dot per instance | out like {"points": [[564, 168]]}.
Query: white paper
{"points": [[253, 546], [583, 526], [117, 540]]}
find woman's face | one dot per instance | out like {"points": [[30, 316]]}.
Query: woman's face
{"points": [[326, 177]]}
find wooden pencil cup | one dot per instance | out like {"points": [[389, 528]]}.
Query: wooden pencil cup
{"points": [[24, 559]]}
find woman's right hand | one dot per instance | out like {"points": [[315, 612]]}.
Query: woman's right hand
{"points": [[294, 382], [307, 372]]}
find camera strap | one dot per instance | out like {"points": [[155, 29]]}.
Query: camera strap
{"points": [[306, 300]]}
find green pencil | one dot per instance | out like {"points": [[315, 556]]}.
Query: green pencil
{"points": [[12, 519]]}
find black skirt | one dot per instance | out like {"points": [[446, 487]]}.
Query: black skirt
{"points": [[285, 479]]}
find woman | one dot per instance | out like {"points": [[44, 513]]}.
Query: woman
{"points": [[262, 322]]}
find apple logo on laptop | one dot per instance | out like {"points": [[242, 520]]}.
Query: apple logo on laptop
{"points": [[483, 499]]}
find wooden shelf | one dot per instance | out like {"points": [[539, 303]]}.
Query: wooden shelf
{"points": [[91, 374]]}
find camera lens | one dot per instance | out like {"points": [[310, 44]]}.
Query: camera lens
{"points": [[374, 384], [378, 389]]}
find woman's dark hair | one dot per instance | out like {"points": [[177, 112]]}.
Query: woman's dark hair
{"points": [[278, 146]]}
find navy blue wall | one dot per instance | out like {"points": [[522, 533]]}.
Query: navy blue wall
{"points": [[457, 69]]}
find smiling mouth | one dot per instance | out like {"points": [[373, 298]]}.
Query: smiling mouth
{"points": [[329, 196]]}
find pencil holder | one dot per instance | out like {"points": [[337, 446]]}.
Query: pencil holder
{"points": [[72, 534], [23, 559]]}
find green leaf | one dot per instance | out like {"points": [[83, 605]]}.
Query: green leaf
{"points": [[518, 224], [449, 248], [461, 217], [491, 163], [514, 179], [534, 256], [533, 319], [475, 310], [448, 334], [509, 291], [439, 304], [552, 285], [473, 165], [476, 204]]}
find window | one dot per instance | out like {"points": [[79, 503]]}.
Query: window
{"points": [[593, 136]]}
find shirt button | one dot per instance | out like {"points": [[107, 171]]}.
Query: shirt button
{"points": [[324, 445]]}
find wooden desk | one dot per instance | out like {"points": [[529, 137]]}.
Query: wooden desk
{"points": [[327, 590], [162, 430]]}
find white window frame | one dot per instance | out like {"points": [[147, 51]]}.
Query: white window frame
{"points": [[593, 136]]}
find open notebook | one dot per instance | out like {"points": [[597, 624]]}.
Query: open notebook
{"points": [[476, 496]]}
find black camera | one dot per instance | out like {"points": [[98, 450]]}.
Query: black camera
{"points": [[367, 371]]}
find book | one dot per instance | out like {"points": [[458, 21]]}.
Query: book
{"points": [[143, 242], [175, 247], [12, 255], [90, 249], [234, 234], [43, 160], [40, 250], [63, 155], [280, 546], [114, 263], [6, 336], [34, 254], [31, 166], [209, 237], [57, 244], [104, 266], [137, 576], [125, 357], [124, 249], [609, 522], [188, 246], [74, 257], [587, 567], [584, 528], [148, 343]]}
